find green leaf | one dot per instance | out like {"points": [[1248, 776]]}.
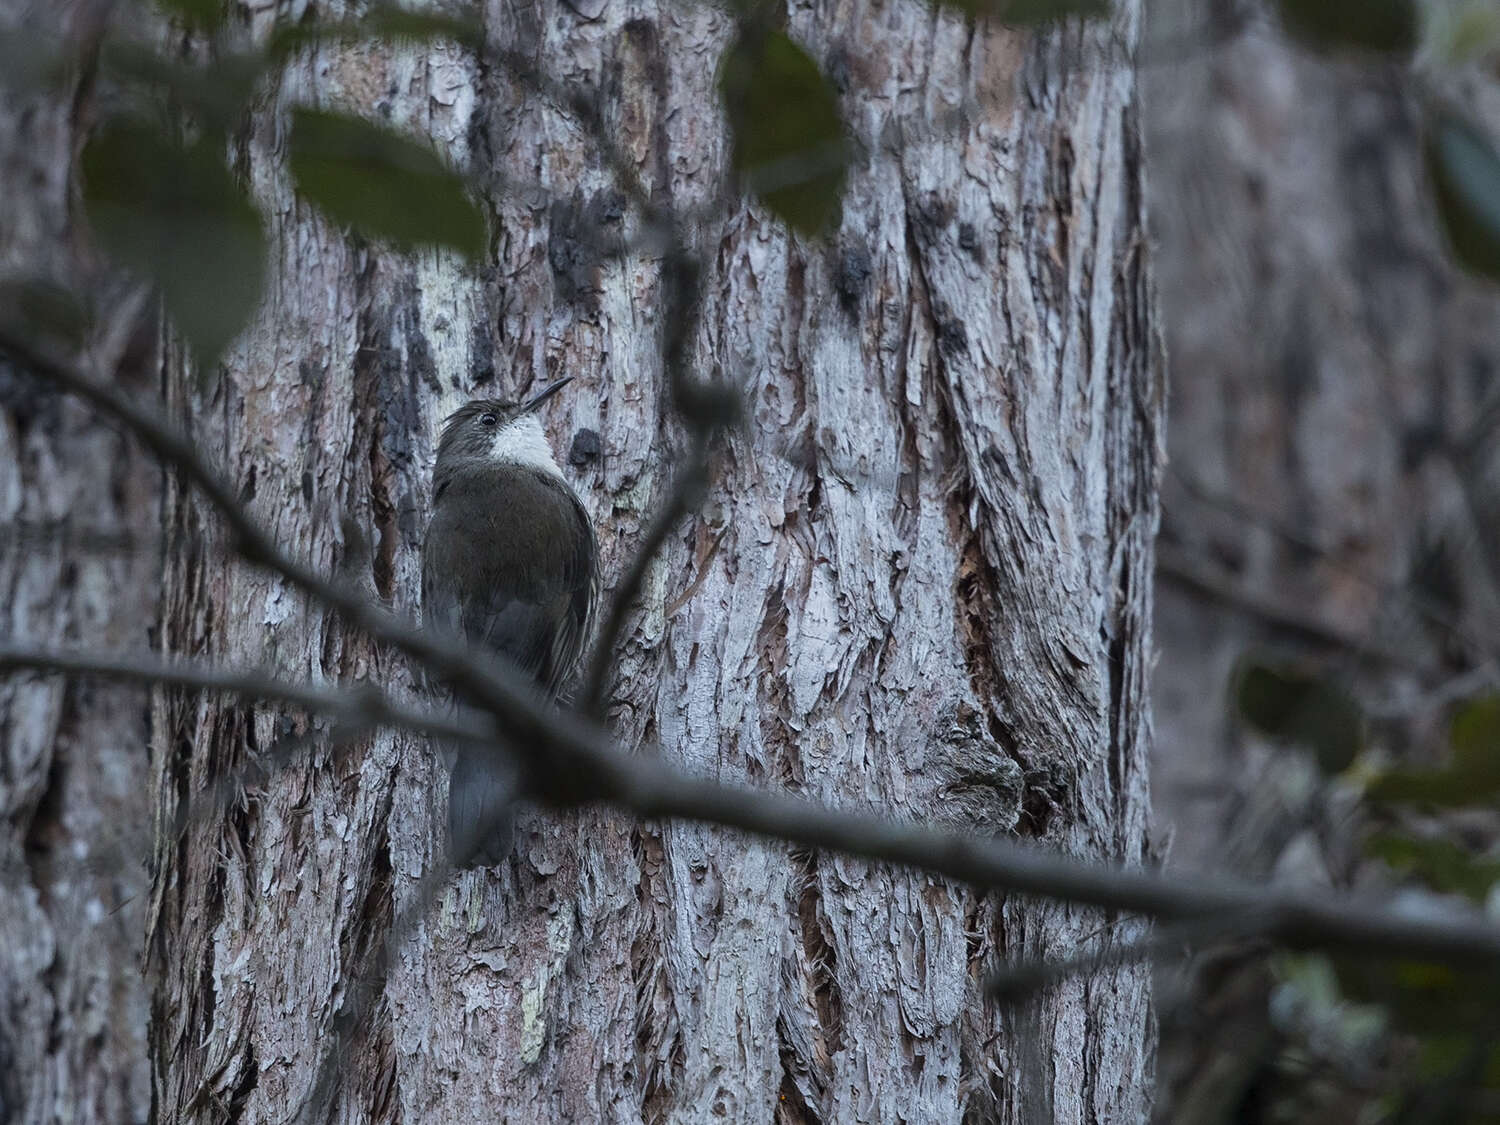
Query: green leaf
{"points": [[175, 214], [1287, 704], [1441, 864], [1420, 996], [391, 22], [384, 22], [217, 96], [1375, 25], [1473, 775], [1019, 13], [382, 184], [205, 14], [788, 137], [1465, 175]]}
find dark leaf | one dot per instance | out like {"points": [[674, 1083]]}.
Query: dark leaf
{"points": [[1375, 25], [1465, 175], [1441, 864], [205, 14], [1420, 996], [382, 184], [385, 22], [1293, 706], [788, 137], [1473, 775], [1019, 13], [175, 214], [217, 96]]}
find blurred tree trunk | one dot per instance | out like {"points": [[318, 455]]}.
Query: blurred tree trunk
{"points": [[73, 757], [921, 584], [1329, 364]]}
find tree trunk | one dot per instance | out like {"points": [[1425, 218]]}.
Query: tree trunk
{"points": [[921, 585], [73, 815]]}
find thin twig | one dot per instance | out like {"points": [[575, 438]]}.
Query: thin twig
{"points": [[686, 494], [361, 705], [645, 787], [1019, 981], [1325, 919]]}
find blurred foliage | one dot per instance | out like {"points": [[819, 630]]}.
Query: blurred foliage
{"points": [[1465, 175], [1430, 1052], [1294, 706], [1019, 13], [786, 131], [205, 14], [1441, 864], [175, 214], [1471, 777], [381, 184], [1375, 25]]}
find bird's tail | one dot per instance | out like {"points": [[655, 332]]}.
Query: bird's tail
{"points": [[481, 809]]}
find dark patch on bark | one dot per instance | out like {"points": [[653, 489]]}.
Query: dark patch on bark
{"points": [[818, 945], [580, 235], [987, 789], [247, 489], [929, 217], [851, 277], [44, 827], [658, 1044], [968, 242], [586, 447], [419, 352], [810, 1022], [481, 357], [645, 40], [952, 336], [239, 1097], [836, 67]]}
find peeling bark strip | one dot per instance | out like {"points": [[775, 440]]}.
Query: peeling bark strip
{"points": [[919, 584]]}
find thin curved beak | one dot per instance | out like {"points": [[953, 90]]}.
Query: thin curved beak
{"points": [[542, 396]]}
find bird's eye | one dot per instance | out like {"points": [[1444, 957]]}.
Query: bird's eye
{"points": [[487, 419]]}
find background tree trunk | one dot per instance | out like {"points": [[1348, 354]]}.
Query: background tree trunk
{"points": [[73, 757], [921, 584], [1330, 370]]}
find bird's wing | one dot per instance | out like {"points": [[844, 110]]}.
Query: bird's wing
{"points": [[502, 586]]}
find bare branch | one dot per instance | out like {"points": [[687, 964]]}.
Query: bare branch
{"points": [[361, 705], [1325, 919], [1018, 981], [687, 493]]}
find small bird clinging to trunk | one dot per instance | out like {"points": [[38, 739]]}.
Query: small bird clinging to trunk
{"points": [[510, 564]]}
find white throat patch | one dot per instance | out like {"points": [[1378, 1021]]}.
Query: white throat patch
{"points": [[524, 443]]}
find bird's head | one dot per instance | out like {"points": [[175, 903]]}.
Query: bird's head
{"points": [[492, 431]]}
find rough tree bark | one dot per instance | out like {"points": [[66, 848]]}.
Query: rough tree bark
{"points": [[73, 757], [921, 584]]}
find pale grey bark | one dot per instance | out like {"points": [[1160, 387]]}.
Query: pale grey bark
{"points": [[74, 824], [921, 584]]}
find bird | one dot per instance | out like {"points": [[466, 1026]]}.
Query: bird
{"points": [[510, 565]]}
